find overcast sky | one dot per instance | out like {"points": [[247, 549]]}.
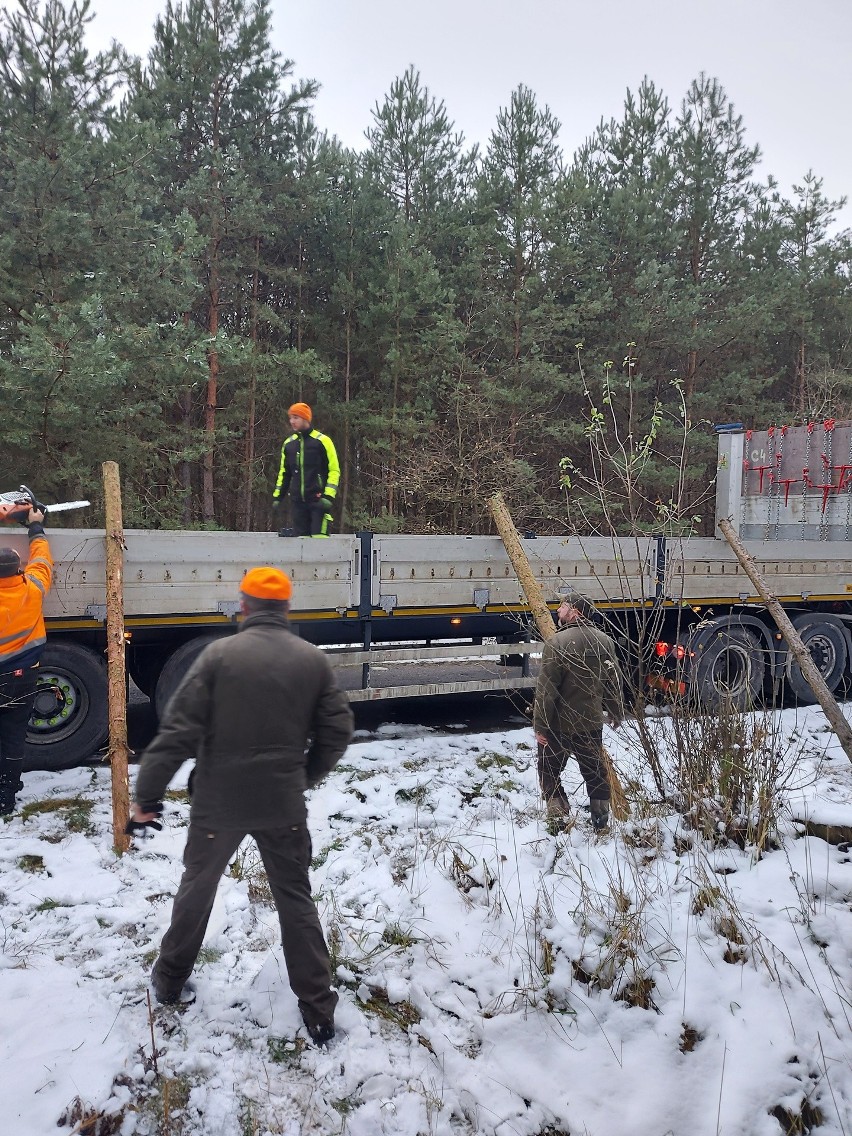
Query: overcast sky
{"points": [[785, 64]]}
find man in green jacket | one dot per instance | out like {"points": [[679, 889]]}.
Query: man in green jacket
{"points": [[309, 472], [263, 717], [579, 682]]}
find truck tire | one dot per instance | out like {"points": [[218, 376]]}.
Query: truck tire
{"points": [[145, 665], [69, 721], [730, 670], [826, 644], [175, 668]]}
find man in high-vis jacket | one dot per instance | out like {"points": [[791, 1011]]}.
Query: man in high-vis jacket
{"points": [[22, 638], [310, 472]]}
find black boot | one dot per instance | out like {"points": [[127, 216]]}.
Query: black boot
{"points": [[170, 993], [321, 1033], [10, 784], [600, 814]]}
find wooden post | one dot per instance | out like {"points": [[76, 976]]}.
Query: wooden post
{"points": [[544, 623], [520, 562], [794, 640], [116, 671]]}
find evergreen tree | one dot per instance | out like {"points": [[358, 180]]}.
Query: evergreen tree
{"points": [[214, 89], [817, 312]]}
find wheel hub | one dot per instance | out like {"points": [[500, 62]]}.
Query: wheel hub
{"points": [[55, 702]]}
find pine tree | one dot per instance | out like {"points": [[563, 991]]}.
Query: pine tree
{"points": [[215, 90]]}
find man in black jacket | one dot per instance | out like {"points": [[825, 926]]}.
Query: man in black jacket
{"points": [[263, 717]]}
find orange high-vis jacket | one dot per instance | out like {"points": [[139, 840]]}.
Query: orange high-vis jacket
{"points": [[21, 600]]}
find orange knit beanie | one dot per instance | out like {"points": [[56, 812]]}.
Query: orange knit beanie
{"points": [[267, 584]]}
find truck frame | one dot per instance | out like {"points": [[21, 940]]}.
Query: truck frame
{"points": [[682, 609]]}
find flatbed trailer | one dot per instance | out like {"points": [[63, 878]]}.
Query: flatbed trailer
{"points": [[682, 610]]}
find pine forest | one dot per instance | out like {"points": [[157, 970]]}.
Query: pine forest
{"points": [[185, 252]]}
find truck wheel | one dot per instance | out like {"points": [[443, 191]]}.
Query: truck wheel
{"points": [[729, 671], [175, 668], [145, 665], [69, 722], [826, 645]]}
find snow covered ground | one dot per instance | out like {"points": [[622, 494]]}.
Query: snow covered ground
{"points": [[493, 978]]}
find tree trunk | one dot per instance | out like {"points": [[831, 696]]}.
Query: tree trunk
{"points": [[245, 520], [794, 641], [116, 672], [207, 507]]}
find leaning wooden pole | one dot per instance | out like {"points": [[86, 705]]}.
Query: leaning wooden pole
{"points": [[116, 670], [794, 640], [544, 622], [520, 562]]}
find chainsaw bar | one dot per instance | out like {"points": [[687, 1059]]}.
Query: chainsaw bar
{"points": [[18, 498]]}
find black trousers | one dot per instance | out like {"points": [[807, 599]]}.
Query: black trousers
{"points": [[309, 517], [16, 702], [587, 749], [286, 855]]}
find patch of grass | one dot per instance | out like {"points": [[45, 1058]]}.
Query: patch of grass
{"points": [[398, 936], [32, 863], [344, 1106], [637, 992], [49, 905], [494, 760], [167, 1105], [248, 1119], [178, 795], [87, 1121], [689, 1039], [705, 897], [209, 955], [798, 1123], [403, 1014], [286, 1050], [323, 854], [75, 811], [418, 794]]}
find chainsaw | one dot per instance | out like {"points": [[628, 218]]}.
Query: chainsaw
{"points": [[15, 506]]}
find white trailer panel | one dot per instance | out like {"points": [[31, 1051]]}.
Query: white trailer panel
{"points": [[176, 573]]}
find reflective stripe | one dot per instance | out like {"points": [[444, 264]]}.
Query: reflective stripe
{"points": [[19, 634], [29, 644], [36, 583]]}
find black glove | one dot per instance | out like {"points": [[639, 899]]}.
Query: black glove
{"points": [[276, 504], [327, 503], [137, 826]]}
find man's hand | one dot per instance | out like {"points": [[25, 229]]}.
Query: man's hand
{"points": [[542, 739], [613, 723], [35, 517], [276, 504], [141, 820], [326, 502]]}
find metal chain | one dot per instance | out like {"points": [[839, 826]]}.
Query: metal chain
{"points": [[775, 473], [828, 431], [806, 471]]}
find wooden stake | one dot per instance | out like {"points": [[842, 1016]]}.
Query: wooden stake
{"points": [[116, 670], [794, 640], [544, 623]]}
